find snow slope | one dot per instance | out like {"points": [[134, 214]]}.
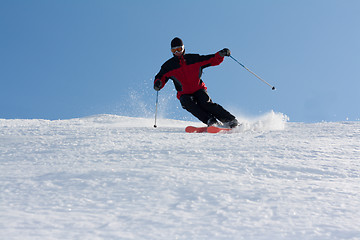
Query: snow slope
{"points": [[114, 177]]}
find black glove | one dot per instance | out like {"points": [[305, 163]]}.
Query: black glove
{"points": [[225, 52], [157, 85]]}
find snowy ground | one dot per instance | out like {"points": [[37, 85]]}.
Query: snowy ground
{"points": [[114, 177]]}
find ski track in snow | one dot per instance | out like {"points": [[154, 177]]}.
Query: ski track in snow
{"points": [[114, 177]]}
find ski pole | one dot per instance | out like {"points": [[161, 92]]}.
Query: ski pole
{"points": [[157, 101], [272, 87]]}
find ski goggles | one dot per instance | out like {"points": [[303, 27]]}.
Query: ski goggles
{"points": [[177, 49]]}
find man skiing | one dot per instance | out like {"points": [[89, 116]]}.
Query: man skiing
{"points": [[185, 70]]}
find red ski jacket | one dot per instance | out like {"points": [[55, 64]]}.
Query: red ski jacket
{"points": [[186, 71]]}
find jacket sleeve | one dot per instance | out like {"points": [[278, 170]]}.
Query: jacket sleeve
{"points": [[161, 76], [217, 59], [211, 60]]}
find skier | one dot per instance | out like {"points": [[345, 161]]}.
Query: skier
{"points": [[185, 71]]}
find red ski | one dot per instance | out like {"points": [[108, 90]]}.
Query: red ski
{"points": [[212, 129], [191, 129]]}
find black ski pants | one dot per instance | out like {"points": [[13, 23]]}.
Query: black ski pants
{"points": [[202, 107]]}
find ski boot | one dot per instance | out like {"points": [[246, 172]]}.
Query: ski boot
{"points": [[231, 124]]}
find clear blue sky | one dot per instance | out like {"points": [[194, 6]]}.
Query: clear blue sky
{"points": [[65, 59]]}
